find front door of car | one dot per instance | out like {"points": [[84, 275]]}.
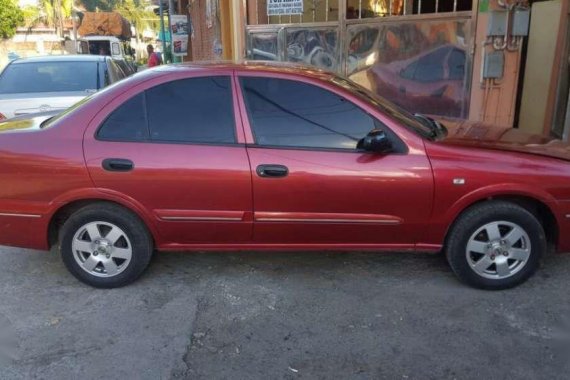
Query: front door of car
{"points": [[172, 148], [310, 183]]}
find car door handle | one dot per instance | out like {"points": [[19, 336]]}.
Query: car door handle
{"points": [[274, 171], [118, 165]]}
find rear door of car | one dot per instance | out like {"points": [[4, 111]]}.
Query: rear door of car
{"points": [[310, 183], [171, 146]]}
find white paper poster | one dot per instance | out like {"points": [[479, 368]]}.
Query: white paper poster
{"points": [[179, 33], [284, 7]]}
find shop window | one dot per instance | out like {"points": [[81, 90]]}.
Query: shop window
{"points": [[127, 122], [381, 8], [197, 110], [287, 113], [328, 10]]}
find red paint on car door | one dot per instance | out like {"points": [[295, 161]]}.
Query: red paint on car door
{"points": [[310, 183], [338, 197], [191, 176]]}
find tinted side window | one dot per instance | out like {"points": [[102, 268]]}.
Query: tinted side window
{"points": [[192, 110], [295, 114], [115, 71], [127, 122], [457, 64], [410, 71], [430, 66]]}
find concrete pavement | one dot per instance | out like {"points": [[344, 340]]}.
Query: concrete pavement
{"points": [[281, 316]]}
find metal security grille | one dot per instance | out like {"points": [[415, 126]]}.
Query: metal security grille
{"points": [[384, 8], [334, 10]]}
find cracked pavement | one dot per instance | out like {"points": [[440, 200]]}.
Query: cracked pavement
{"points": [[281, 315]]}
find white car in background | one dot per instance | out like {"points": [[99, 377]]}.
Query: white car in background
{"points": [[53, 83]]}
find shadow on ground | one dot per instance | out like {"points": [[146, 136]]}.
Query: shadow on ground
{"points": [[281, 315]]}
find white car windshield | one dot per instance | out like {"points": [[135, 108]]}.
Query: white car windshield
{"points": [[53, 76]]}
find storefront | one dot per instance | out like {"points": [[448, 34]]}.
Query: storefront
{"points": [[415, 52], [480, 60], [545, 98], [211, 28]]}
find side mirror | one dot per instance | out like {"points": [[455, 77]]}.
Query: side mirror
{"points": [[376, 141]]}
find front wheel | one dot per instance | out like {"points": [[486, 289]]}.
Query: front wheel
{"points": [[105, 245], [495, 245]]}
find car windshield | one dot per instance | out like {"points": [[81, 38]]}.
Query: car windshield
{"points": [[49, 77], [394, 111]]}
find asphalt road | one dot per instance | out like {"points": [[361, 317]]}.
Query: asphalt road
{"points": [[281, 316]]}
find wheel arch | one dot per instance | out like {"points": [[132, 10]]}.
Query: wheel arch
{"points": [[536, 205], [65, 210]]}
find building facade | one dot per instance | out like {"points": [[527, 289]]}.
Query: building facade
{"points": [[502, 62]]}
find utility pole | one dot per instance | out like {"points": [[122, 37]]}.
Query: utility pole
{"points": [[58, 18], [162, 32], [171, 12], [73, 22]]}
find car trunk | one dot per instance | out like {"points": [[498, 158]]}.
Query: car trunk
{"points": [[20, 104]]}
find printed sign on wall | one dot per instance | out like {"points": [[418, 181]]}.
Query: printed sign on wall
{"points": [[284, 7], [179, 29]]}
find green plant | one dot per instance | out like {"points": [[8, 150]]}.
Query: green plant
{"points": [[10, 18], [54, 12], [99, 5], [136, 13]]}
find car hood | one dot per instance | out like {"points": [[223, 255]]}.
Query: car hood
{"points": [[480, 135], [26, 123]]}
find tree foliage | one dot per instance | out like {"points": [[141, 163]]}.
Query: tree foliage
{"points": [[31, 15], [108, 5], [54, 12], [10, 17], [99, 5], [136, 13], [133, 10]]}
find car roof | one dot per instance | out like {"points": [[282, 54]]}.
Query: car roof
{"points": [[245, 65], [60, 58]]}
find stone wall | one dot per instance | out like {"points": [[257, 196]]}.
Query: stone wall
{"points": [[27, 49]]}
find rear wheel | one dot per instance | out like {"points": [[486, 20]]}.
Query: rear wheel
{"points": [[495, 245], [105, 246]]}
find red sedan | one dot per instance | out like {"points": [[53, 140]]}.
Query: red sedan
{"points": [[273, 157]]}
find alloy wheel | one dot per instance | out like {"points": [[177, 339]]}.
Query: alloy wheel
{"points": [[498, 250], [102, 249]]}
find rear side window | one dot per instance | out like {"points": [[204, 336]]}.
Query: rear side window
{"points": [[127, 122], [196, 110], [192, 110], [430, 67]]}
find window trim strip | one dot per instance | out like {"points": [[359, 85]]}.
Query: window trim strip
{"points": [[149, 138]]}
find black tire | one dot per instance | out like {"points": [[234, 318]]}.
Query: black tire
{"points": [[141, 243], [474, 218]]}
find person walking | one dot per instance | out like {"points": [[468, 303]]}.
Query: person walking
{"points": [[153, 58]]}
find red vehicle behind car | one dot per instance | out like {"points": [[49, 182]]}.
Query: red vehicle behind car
{"points": [[259, 156], [431, 82]]}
